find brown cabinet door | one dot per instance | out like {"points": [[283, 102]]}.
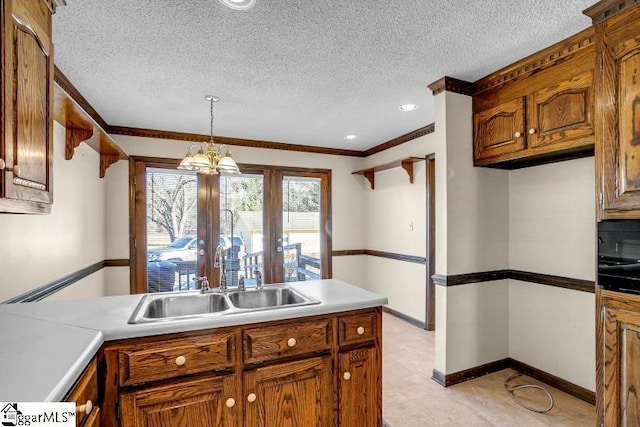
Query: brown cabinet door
{"points": [[499, 130], [561, 113], [198, 402], [621, 359], [360, 388], [618, 112], [94, 419], [295, 394], [28, 95]]}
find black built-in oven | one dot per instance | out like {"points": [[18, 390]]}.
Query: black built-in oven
{"points": [[619, 255]]}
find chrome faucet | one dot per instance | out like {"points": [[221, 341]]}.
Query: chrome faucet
{"points": [[219, 262], [204, 284]]}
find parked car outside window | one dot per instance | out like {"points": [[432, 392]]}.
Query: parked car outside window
{"points": [[184, 248]]}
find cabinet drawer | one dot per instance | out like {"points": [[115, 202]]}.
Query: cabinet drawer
{"points": [[85, 391], [262, 344], [172, 358], [357, 328]]}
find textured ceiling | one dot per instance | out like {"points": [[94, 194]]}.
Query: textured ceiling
{"points": [[295, 71]]}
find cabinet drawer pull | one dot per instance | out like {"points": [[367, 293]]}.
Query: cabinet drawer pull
{"points": [[360, 330], [532, 131], [231, 402], [180, 360], [251, 398], [517, 134], [292, 342], [346, 376], [86, 408]]}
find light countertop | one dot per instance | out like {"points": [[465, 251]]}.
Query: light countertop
{"points": [[46, 345]]}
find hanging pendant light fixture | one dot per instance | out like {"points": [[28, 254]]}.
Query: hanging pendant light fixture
{"points": [[207, 158]]}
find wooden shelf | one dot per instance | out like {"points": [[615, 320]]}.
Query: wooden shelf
{"points": [[82, 128], [406, 164]]}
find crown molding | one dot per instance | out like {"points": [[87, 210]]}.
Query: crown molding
{"points": [[425, 130], [450, 84], [74, 93], [53, 4], [538, 61], [607, 8], [238, 142]]}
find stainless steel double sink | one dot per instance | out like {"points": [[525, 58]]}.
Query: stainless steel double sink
{"points": [[174, 306]]}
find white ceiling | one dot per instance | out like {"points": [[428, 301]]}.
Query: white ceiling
{"points": [[295, 71]]}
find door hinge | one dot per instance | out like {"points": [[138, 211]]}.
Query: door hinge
{"points": [[117, 409], [602, 315], [601, 64], [135, 242], [601, 199]]}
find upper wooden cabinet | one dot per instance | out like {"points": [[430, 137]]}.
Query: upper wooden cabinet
{"points": [[499, 130], [27, 92], [539, 109], [618, 112]]}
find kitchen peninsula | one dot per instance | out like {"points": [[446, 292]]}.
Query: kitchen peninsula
{"points": [[227, 362]]}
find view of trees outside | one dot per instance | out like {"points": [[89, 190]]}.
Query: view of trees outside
{"points": [[171, 205]]}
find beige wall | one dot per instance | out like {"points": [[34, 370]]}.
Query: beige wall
{"points": [[396, 223], [38, 249], [552, 231], [476, 239]]}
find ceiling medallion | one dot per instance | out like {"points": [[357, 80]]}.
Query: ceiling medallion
{"points": [[238, 4]]}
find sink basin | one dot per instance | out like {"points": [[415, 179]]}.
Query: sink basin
{"points": [[269, 298], [168, 306], [173, 306]]}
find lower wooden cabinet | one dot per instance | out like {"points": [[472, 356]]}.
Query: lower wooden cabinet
{"points": [[295, 394], [620, 350], [319, 371], [360, 404], [85, 395], [94, 419], [202, 402]]}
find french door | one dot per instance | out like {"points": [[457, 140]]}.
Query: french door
{"points": [[272, 224]]}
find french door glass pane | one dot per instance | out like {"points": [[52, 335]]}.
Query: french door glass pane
{"points": [[301, 228], [172, 223], [241, 227]]}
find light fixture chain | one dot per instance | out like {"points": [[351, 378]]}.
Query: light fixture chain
{"points": [[212, 120]]}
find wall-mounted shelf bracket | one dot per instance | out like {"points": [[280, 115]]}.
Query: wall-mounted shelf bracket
{"points": [[406, 164], [82, 128]]}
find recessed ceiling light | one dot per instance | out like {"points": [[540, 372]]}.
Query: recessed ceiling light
{"points": [[238, 4], [408, 107], [350, 136]]}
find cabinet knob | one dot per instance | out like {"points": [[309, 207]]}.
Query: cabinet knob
{"points": [[532, 131], [517, 134], [251, 398], [360, 330], [231, 402], [292, 342], [86, 408], [16, 169], [181, 360], [346, 376]]}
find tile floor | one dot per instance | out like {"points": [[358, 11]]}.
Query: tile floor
{"points": [[412, 399]]}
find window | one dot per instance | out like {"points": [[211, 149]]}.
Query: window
{"points": [[272, 223]]}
